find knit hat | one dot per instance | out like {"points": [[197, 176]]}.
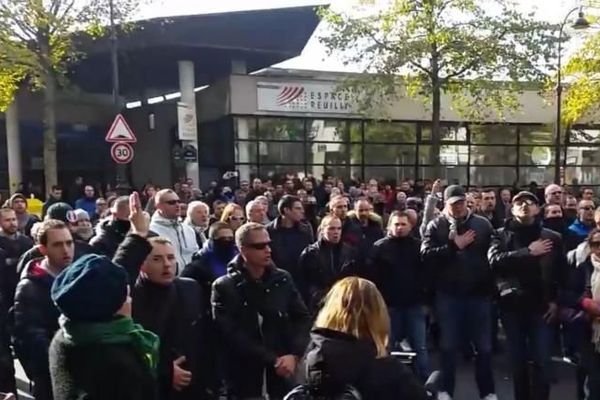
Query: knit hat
{"points": [[80, 215], [14, 197], [59, 211], [92, 289]]}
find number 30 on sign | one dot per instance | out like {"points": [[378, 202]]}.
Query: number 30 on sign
{"points": [[122, 153]]}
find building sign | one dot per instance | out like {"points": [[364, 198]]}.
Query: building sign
{"points": [[186, 121], [322, 98]]}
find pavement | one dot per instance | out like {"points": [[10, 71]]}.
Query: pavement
{"points": [[563, 389]]}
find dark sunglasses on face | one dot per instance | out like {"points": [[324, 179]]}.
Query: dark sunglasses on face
{"points": [[588, 208], [172, 202], [594, 244], [237, 218], [522, 202], [258, 246]]}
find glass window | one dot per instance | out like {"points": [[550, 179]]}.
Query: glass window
{"points": [[539, 175], [449, 154], [244, 128], [390, 132], [585, 136], [389, 154], [536, 155], [281, 129], [583, 175], [583, 156], [281, 152], [447, 133], [385, 174], [454, 175], [245, 152], [342, 171], [333, 153], [320, 130], [493, 134], [247, 172], [270, 171], [493, 155], [537, 134], [492, 176]]}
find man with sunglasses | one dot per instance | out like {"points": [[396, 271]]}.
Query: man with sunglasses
{"points": [[165, 223], [528, 263], [583, 225], [261, 318]]}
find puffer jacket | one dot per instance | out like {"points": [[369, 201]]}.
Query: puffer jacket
{"points": [[181, 236], [455, 271], [321, 265], [35, 323], [536, 278], [334, 359], [258, 322]]}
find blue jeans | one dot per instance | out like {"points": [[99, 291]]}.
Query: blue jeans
{"points": [[409, 323], [465, 317], [529, 338]]}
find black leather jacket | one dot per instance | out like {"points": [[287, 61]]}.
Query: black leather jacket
{"points": [[321, 265], [455, 271], [258, 322], [537, 279]]}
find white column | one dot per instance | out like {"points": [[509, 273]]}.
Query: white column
{"points": [[13, 146], [187, 83], [244, 148]]}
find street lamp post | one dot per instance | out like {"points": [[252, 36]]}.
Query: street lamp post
{"points": [[580, 23]]}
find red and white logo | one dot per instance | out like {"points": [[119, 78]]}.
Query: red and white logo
{"points": [[289, 94]]}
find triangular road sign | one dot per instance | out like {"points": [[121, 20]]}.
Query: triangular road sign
{"points": [[120, 132]]}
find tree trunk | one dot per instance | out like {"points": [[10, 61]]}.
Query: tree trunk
{"points": [[50, 164], [435, 129]]}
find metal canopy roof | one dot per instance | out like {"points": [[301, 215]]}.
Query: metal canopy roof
{"points": [[148, 53]]}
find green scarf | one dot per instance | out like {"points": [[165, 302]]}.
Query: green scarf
{"points": [[117, 331]]}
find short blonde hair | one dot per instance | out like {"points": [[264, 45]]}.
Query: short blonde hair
{"points": [[355, 307]]}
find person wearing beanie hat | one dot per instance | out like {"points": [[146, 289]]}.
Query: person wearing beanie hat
{"points": [[527, 261], [81, 225], [18, 203], [455, 246], [99, 352]]}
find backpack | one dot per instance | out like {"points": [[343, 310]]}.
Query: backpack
{"points": [[309, 392]]}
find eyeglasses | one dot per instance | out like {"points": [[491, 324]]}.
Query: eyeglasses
{"points": [[528, 202], [258, 246], [594, 244], [588, 208], [172, 202], [237, 218]]}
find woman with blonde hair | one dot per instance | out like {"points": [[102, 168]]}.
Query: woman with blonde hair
{"points": [[349, 346], [233, 215]]}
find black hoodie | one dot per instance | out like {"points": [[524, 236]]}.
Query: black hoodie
{"points": [[334, 359]]}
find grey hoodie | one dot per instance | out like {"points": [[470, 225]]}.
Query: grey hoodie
{"points": [[181, 236]]}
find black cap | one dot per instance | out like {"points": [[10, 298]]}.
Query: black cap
{"points": [[454, 193], [524, 195]]}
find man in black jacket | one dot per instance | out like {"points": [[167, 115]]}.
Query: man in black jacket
{"points": [[289, 234], [35, 315], [262, 320], [488, 208], [367, 225], [528, 264], [455, 247], [400, 276], [111, 232], [325, 262], [172, 308]]}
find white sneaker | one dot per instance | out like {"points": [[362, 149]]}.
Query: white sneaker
{"points": [[444, 396], [491, 396]]}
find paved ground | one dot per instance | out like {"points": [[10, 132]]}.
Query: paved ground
{"points": [[466, 389]]}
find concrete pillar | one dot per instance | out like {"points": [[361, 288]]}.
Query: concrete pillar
{"points": [[13, 146], [244, 148], [187, 83], [238, 67]]}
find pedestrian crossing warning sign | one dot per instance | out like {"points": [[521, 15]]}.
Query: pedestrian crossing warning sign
{"points": [[120, 132]]}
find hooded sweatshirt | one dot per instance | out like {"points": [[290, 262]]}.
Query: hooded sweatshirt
{"points": [[181, 236]]}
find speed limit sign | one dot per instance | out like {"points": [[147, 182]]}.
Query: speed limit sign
{"points": [[122, 153]]}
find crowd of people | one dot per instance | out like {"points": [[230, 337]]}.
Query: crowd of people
{"points": [[244, 291]]}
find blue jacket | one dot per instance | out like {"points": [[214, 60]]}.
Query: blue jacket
{"points": [[88, 205], [579, 229]]}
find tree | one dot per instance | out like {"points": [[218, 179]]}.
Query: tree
{"points": [[37, 45], [479, 52], [582, 95]]}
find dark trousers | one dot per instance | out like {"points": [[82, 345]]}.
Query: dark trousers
{"points": [[529, 340], [465, 317], [409, 323]]}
